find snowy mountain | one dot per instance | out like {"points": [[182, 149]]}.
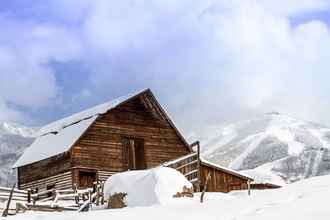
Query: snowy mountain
{"points": [[274, 147], [14, 138]]}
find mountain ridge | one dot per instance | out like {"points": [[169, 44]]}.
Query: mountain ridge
{"points": [[286, 149], [14, 138]]}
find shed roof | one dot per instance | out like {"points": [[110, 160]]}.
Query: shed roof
{"points": [[225, 169], [58, 137]]}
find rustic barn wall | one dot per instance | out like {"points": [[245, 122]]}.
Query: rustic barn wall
{"points": [[101, 147], [44, 169], [262, 186], [59, 181], [137, 129], [221, 181]]}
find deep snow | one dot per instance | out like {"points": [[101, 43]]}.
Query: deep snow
{"points": [[306, 200], [147, 187]]}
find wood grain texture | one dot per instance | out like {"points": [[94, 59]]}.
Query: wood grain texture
{"points": [[221, 181], [100, 148], [44, 169]]}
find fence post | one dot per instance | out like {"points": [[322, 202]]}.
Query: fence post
{"points": [[5, 212], [205, 187], [249, 187], [102, 193], [29, 195], [90, 199], [75, 191], [98, 194]]}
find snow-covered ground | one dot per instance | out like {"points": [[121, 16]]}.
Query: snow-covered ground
{"points": [[306, 200]]}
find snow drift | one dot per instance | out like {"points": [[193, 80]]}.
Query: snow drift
{"points": [[147, 187], [273, 147], [305, 200]]}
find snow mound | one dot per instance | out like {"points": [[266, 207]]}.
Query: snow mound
{"points": [[147, 187]]}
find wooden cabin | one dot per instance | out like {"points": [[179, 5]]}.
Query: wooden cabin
{"points": [[222, 179], [132, 132], [129, 133]]}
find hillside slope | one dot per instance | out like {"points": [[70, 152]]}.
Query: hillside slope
{"points": [[14, 139], [273, 147]]}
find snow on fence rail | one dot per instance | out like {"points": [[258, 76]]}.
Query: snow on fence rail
{"points": [[18, 195], [53, 200], [188, 165]]}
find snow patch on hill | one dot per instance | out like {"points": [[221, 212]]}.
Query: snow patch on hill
{"points": [[274, 144], [14, 138]]}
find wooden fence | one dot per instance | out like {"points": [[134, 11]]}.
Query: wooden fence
{"points": [[52, 200], [188, 165]]}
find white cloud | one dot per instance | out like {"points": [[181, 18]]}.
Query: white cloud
{"points": [[214, 61], [208, 61], [26, 77]]}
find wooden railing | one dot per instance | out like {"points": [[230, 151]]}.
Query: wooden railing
{"points": [[188, 165], [50, 200], [18, 195]]}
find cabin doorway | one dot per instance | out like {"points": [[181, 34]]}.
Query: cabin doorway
{"points": [[133, 154], [86, 179]]}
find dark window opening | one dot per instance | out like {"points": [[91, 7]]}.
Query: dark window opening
{"points": [[86, 179], [133, 154]]}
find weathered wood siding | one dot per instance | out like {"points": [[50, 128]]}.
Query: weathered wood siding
{"points": [[59, 181], [262, 186], [44, 169], [221, 181], [101, 146]]}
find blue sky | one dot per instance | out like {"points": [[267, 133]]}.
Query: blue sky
{"points": [[208, 62]]}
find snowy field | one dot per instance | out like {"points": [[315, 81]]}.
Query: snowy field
{"points": [[302, 200]]}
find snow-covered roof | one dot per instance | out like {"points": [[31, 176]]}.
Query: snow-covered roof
{"points": [[53, 144], [59, 136], [225, 169], [96, 110]]}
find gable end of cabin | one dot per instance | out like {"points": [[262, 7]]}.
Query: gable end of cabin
{"points": [[132, 136]]}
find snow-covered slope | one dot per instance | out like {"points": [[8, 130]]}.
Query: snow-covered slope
{"points": [[273, 147], [14, 138]]}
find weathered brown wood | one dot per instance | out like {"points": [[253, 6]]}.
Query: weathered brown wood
{"points": [[29, 196], [43, 169], [100, 148], [222, 180], [205, 187], [261, 186]]}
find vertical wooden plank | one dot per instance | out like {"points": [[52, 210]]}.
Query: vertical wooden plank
{"points": [[29, 195]]}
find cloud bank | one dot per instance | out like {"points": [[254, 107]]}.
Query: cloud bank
{"points": [[209, 62]]}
